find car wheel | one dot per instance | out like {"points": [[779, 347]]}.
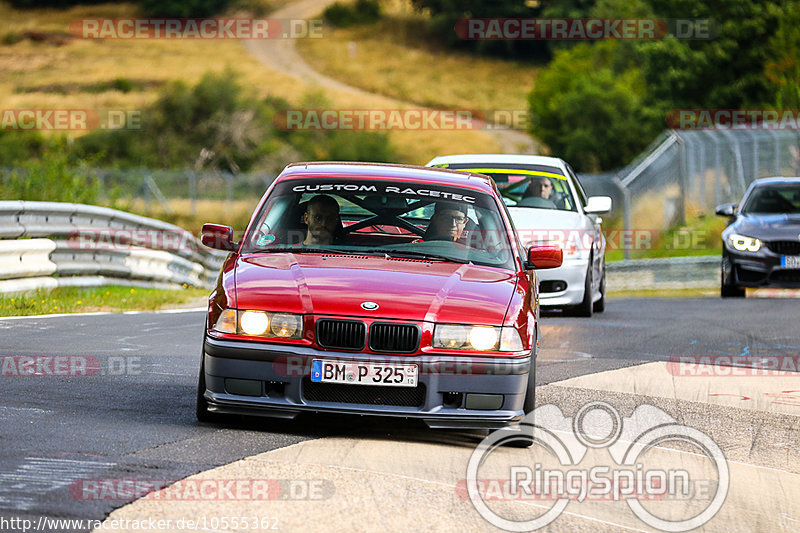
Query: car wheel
{"points": [[727, 289], [585, 307], [600, 305], [201, 410]]}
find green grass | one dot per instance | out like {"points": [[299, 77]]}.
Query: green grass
{"points": [[699, 236], [663, 293], [104, 298]]}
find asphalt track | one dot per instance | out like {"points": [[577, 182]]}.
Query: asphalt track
{"points": [[133, 418]]}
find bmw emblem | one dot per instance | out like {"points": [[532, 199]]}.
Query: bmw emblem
{"points": [[369, 306]]}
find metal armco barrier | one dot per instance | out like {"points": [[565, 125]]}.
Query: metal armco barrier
{"points": [[50, 244], [664, 273]]}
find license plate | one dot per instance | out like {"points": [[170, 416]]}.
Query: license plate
{"points": [[363, 373], [790, 261]]}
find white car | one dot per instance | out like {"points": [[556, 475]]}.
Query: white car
{"points": [[547, 204]]}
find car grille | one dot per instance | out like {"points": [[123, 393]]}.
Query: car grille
{"points": [[363, 394], [395, 338], [784, 247], [790, 276], [341, 334]]}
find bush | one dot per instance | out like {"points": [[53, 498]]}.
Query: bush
{"points": [[590, 110], [361, 12], [54, 177], [215, 125]]}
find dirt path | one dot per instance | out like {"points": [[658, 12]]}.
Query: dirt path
{"points": [[282, 55]]}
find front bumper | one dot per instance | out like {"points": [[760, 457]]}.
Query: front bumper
{"points": [[760, 269], [573, 273], [283, 373]]}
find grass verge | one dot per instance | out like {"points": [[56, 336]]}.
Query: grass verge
{"points": [[664, 293], [103, 298]]}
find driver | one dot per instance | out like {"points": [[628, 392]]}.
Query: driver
{"points": [[448, 222], [541, 187], [322, 220]]}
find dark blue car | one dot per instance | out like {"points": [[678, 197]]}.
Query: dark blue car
{"points": [[761, 245]]}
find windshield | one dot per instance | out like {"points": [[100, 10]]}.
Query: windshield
{"points": [[382, 218], [525, 185], [774, 199]]}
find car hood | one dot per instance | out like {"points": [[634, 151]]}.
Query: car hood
{"points": [[405, 289], [769, 227], [533, 224]]}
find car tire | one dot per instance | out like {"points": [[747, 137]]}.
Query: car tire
{"points": [[600, 305], [584, 308], [727, 289], [201, 410]]}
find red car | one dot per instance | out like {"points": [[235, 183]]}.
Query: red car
{"points": [[374, 289]]}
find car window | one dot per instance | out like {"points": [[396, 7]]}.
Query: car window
{"points": [[384, 217], [578, 186], [773, 199], [533, 186]]}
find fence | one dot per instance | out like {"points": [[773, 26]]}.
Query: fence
{"points": [[49, 244], [155, 186], [690, 172]]}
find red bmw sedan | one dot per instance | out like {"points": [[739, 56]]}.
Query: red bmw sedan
{"points": [[374, 289]]}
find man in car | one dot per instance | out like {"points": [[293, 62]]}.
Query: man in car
{"points": [[448, 222], [322, 221], [541, 187]]}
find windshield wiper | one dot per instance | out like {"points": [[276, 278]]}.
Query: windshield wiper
{"points": [[415, 253]]}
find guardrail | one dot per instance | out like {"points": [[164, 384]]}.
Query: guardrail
{"points": [[698, 272], [51, 244]]}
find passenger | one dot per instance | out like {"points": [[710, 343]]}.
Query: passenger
{"points": [[322, 221], [448, 222]]}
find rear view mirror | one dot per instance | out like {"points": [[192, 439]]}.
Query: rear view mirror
{"points": [[218, 237], [541, 257]]}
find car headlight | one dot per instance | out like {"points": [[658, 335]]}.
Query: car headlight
{"points": [[286, 325], [480, 338], [260, 324], [744, 243], [254, 322]]}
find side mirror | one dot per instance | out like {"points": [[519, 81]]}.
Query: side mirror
{"points": [[725, 210], [541, 257], [218, 237], [598, 204]]}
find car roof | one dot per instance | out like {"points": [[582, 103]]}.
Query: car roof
{"points": [[775, 180], [435, 176], [515, 159]]}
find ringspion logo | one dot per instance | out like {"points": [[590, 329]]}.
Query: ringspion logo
{"points": [[599, 455]]}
